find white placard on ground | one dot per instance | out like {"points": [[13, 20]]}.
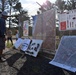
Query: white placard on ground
{"points": [[18, 43], [34, 47], [25, 44], [65, 56]]}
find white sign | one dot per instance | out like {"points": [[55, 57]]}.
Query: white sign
{"points": [[34, 47], [65, 56], [18, 43], [71, 20], [62, 21], [25, 44], [67, 21], [25, 28]]}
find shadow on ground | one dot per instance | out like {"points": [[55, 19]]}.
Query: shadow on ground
{"points": [[13, 59], [39, 66], [34, 66]]}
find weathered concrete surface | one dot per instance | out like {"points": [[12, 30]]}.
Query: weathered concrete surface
{"points": [[13, 63]]}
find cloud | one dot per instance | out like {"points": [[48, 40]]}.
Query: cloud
{"points": [[32, 6]]}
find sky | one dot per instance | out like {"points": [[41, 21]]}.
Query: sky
{"points": [[31, 5]]}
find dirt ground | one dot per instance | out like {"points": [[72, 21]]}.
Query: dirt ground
{"points": [[21, 64]]}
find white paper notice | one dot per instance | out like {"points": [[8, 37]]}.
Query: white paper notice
{"points": [[34, 47], [18, 43], [25, 44], [65, 56]]}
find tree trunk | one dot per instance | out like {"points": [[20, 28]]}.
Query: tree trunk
{"points": [[3, 1]]}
